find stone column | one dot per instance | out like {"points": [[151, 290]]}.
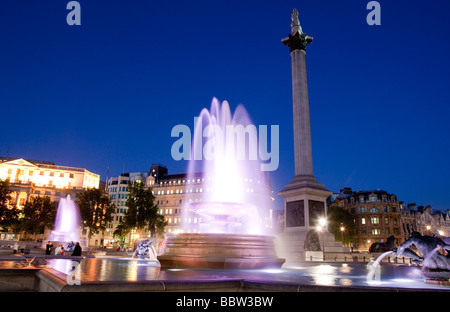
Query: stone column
{"points": [[302, 127], [304, 198], [297, 41]]}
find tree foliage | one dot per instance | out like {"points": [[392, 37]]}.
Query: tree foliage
{"points": [[142, 214], [8, 214], [337, 217], [96, 210], [38, 213]]}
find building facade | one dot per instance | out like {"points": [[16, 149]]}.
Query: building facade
{"points": [[118, 191], [429, 222], [32, 178], [376, 215]]}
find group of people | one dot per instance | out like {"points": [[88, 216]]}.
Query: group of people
{"points": [[60, 251]]}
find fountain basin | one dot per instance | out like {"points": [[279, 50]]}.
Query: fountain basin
{"points": [[219, 251], [224, 217]]}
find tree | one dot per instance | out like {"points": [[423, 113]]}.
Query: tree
{"points": [[8, 214], [142, 213], [96, 210], [38, 213], [339, 217]]}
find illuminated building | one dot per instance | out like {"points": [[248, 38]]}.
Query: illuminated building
{"points": [[118, 190], [376, 215], [32, 178]]}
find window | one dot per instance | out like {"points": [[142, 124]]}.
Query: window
{"points": [[386, 221], [375, 231], [373, 199], [363, 220], [361, 199], [373, 209], [374, 220], [362, 209]]}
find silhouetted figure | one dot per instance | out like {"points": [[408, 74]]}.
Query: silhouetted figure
{"points": [[48, 248], [77, 250]]}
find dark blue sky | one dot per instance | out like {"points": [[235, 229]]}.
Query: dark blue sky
{"points": [[107, 93]]}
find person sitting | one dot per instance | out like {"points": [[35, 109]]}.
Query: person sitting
{"points": [[77, 250]]}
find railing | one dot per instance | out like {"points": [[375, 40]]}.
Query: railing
{"points": [[364, 258]]}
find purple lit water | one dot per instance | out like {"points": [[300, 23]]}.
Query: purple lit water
{"points": [[67, 222], [233, 188]]}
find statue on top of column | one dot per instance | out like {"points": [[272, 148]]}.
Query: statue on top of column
{"points": [[297, 39], [295, 25]]}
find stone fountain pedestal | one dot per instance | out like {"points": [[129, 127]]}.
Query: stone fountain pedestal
{"points": [[219, 251]]}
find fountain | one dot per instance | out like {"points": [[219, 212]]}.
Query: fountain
{"points": [[435, 265], [235, 198], [67, 224], [145, 250]]}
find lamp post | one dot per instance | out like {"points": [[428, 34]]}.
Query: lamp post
{"points": [[342, 232], [322, 224]]}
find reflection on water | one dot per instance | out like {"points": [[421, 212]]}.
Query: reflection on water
{"points": [[98, 269], [324, 274], [94, 269]]}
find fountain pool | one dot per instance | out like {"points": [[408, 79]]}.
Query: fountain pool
{"points": [[99, 274]]}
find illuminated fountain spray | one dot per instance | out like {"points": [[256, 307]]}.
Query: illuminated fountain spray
{"points": [[227, 197], [67, 222], [236, 195]]}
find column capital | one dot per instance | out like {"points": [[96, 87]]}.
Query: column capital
{"points": [[297, 41]]}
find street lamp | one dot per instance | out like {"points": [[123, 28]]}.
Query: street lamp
{"points": [[322, 224], [342, 232]]}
